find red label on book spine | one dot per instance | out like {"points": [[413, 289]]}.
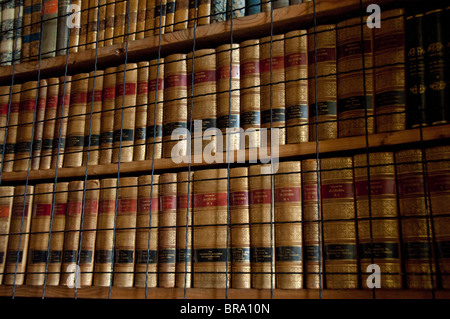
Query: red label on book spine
{"points": [[142, 88], [153, 85], [295, 59], [182, 201], [309, 192], [127, 205], [107, 207], [168, 202], [18, 210], [250, 68], [239, 199], [52, 101], [385, 186], [130, 89], [224, 72], [78, 97], [50, 7], [74, 208], [144, 205], [175, 80], [60, 209], [323, 55], [109, 93], [260, 196], [338, 190], [98, 96], [439, 183], [91, 207], [210, 200], [41, 103], [4, 211], [202, 76], [43, 210], [15, 107], [287, 194], [277, 64], [411, 185], [28, 105]]}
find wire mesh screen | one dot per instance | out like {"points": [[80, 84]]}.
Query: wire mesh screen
{"points": [[225, 155]]}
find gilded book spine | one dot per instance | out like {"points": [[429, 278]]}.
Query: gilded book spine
{"points": [[202, 91], [4, 105], [84, 21], [74, 33], [389, 64], [103, 266], [11, 139], [109, 22], [40, 227], [211, 253], [339, 228], [62, 113], [18, 25], [63, 30], [26, 31], [39, 124], [160, 16], [119, 27], [102, 23], [200, 14], [92, 23], [107, 117], [181, 15], [250, 90], [378, 228], [140, 133], [49, 124], [76, 121], [323, 100], [93, 118], [355, 78], [49, 28], [273, 96], [146, 270], [296, 50], [262, 235], [125, 112], [175, 106], [170, 16], [7, 28], [184, 230], [167, 232], [125, 239], [17, 253], [131, 20], [240, 228], [57, 234], [288, 226], [150, 18], [438, 167], [155, 109], [141, 17], [6, 202], [35, 33], [228, 95], [415, 222]]}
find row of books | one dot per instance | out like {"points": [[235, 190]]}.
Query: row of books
{"points": [[79, 25], [312, 223]]}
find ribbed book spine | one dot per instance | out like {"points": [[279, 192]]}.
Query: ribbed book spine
{"points": [[125, 112], [155, 117], [210, 250], [288, 226], [7, 28], [378, 227], [49, 124], [146, 269], [262, 232], [119, 27], [17, 253], [63, 32], [228, 95], [339, 227], [218, 10], [84, 21], [39, 124], [160, 16], [75, 30], [50, 28], [76, 121], [109, 22], [6, 202], [183, 261], [125, 238], [150, 18], [18, 29], [181, 15], [101, 23], [35, 33], [170, 16], [10, 148], [39, 237], [140, 133], [92, 128], [389, 64], [26, 31], [296, 51], [250, 90], [240, 228], [107, 117], [323, 100], [105, 233], [141, 17], [273, 96], [4, 104], [252, 7], [175, 106], [200, 15], [93, 25], [132, 16], [266, 5], [167, 230]]}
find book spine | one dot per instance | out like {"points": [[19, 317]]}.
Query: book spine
{"points": [[355, 78], [39, 237], [49, 124], [57, 234], [131, 18], [125, 112], [125, 239], [4, 103], [201, 14], [273, 96], [323, 125], [84, 21], [107, 117], [415, 223], [240, 228], [26, 31], [35, 35], [438, 180], [167, 231], [119, 21], [181, 15], [141, 17], [378, 227], [292, 2], [88, 227], [236, 7], [104, 240], [17, 253], [288, 226], [93, 118], [75, 29], [150, 18], [280, 3], [6, 202], [154, 131], [63, 31], [184, 230], [250, 93], [170, 16], [218, 10], [39, 124], [11, 139], [202, 92], [25, 134], [339, 229], [296, 50], [146, 270], [416, 107], [210, 250], [7, 28], [76, 121], [18, 29], [252, 7], [140, 133], [109, 22], [389, 63], [262, 233], [175, 113], [62, 113], [101, 24], [93, 24], [50, 27], [160, 16], [266, 5], [228, 96]]}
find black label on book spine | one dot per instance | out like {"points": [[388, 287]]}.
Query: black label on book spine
{"points": [[443, 248], [324, 108], [37, 145], [240, 255], [127, 135], [59, 143], [95, 140], [231, 121], [55, 256], [312, 253], [141, 256], [211, 255], [417, 250], [86, 256], [74, 141], [390, 98], [170, 127], [288, 253], [166, 256], [124, 256], [2, 256], [39, 256], [106, 138], [13, 256], [151, 131], [296, 112], [170, 7], [47, 144], [103, 256], [355, 103], [140, 134], [261, 254], [278, 115], [340, 252], [183, 255], [10, 149], [70, 256], [23, 147], [379, 251], [251, 118]]}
